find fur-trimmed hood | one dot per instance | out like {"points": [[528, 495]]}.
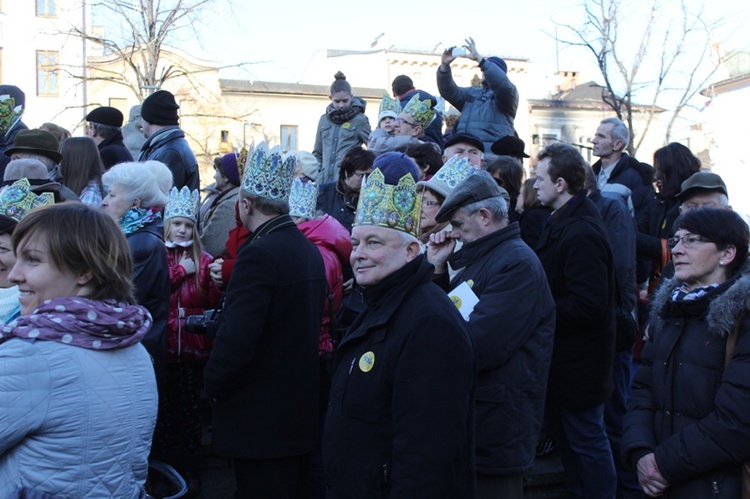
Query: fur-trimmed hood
{"points": [[723, 312]]}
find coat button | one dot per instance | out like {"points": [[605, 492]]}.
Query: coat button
{"points": [[666, 412]]}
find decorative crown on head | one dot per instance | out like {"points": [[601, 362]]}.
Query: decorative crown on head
{"points": [[17, 200], [389, 107], [303, 199], [420, 110], [182, 203], [268, 174], [10, 113], [455, 171], [394, 206]]}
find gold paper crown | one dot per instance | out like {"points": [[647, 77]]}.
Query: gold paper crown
{"points": [[182, 203], [17, 200], [303, 199], [389, 107], [9, 112], [396, 207], [420, 110]]}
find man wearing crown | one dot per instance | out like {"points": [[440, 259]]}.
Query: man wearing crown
{"points": [[263, 371], [415, 118], [512, 325], [400, 420]]}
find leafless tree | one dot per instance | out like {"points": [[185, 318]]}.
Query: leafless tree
{"points": [[627, 47]]}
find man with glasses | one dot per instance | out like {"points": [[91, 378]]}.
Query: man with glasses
{"points": [[575, 252], [512, 326], [415, 118]]}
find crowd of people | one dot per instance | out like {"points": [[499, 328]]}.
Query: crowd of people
{"points": [[399, 313]]}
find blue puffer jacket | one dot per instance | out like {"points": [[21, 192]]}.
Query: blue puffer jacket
{"points": [[487, 113], [75, 422], [169, 146]]}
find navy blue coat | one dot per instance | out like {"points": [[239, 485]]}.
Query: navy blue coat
{"points": [[575, 252], [113, 151], [169, 146], [512, 326], [332, 201], [402, 424], [263, 370]]}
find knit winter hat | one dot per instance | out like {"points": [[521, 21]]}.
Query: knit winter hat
{"points": [[230, 169], [500, 63], [160, 108], [395, 165], [106, 115]]}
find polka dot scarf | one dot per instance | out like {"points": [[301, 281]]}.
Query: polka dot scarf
{"points": [[82, 322]]}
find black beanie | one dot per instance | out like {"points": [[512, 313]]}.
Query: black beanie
{"points": [[108, 116], [160, 108]]}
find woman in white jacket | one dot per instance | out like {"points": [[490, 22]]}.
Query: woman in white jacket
{"points": [[78, 396]]}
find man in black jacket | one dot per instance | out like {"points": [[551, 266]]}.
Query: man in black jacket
{"points": [[263, 371], [400, 421], [512, 326], [576, 255], [105, 129]]}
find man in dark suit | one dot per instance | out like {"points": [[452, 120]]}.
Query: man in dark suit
{"points": [[576, 255], [263, 370]]}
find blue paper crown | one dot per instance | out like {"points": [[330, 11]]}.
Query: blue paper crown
{"points": [[269, 174], [182, 203], [303, 199]]}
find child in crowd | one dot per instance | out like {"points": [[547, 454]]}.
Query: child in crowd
{"points": [[193, 292], [383, 139]]}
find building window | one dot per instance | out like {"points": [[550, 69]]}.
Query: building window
{"points": [[289, 137], [46, 72], [46, 8]]}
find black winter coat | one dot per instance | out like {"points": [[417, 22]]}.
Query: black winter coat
{"points": [[575, 252], [113, 151], [332, 201], [400, 421], [513, 327], [263, 370], [169, 146], [151, 282], [685, 406]]}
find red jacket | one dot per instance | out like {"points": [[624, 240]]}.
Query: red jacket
{"points": [[334, 243], [237, 236], [185, 301]]}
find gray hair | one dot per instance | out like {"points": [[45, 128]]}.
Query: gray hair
{"points": [[619, 131], [149, 181], [105, 131], [49, 163], [25, 168], [495, 205], [407, 239]]}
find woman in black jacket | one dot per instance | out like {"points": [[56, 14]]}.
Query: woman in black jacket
{"points": [[686, 431]]}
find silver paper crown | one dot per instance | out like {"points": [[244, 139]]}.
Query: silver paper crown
{"points": [[269, 174], [182, 203], [303, 199], [18, 199], [453, 172]]}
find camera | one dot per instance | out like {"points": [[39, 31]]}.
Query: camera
{"points": [[206, 324]]}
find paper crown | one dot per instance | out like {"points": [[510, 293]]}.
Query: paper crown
{"points": [[10, 113], [182, 203], [449, 176], [303, 199], [17, 200], [389, 107], [268, 174], [420, 110], [396, 207]]}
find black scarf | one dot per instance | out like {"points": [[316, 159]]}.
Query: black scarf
{"points": [[340, 116]]}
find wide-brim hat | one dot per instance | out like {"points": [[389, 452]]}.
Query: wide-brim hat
{"points": [[510, 145], [36, 142], [708, 181]]}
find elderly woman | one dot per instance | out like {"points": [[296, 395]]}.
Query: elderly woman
{"points": [[217, 209], [339, 198], [80, 393], [138, 192], [687, 428]]}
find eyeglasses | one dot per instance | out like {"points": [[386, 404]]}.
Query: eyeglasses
{"points": [[401, 120], [688, 241], [359, 174], [430, 204]]}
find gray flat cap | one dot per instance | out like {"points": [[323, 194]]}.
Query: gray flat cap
{"points": [[476, 187]]}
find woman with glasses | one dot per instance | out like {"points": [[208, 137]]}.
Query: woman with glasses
{"points": [[687, 430], [339, 198], [509, 175]]}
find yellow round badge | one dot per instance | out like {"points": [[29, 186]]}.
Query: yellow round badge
{"points": [[456, 301], [346, 126], [366, 362]]}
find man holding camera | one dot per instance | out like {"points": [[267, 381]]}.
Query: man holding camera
{"points": [[486, 112]]}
